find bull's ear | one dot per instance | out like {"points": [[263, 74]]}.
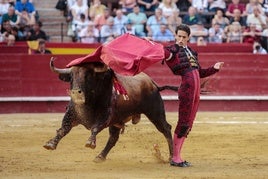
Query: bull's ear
{"points": [[65, 77]]}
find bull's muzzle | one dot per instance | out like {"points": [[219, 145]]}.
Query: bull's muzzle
{"points": [[77, 96]]}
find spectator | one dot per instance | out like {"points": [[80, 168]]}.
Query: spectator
{"points": [[36, 32], [238, 18], [26, 22], [11, 16], [216, 34], [120, 20], [24, 5], [220, 19], [201, 41], [12, 2], [3, 8], [128, 28], [214, 5], [99, 21], [10, 40], [250, 6], [264, 4], [77, 9], [235, 4], [128, 5], [42, 47], [138, 19], [17, 34], [167, 6], [200, 6], [174, 20], [108, 30], [154, 22], [163, 34], [96, 9], [89, 34], [258, 49], [191, 18], [2, 36], [234, 34], [198, 31], [183, 5], [251, 34], [70, 3], [6, 27], [81, 24], [148, 5], [257, 18], [109, 39]]}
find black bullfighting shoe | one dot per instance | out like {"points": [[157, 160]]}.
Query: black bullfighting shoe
{"points": [[181, 164]]}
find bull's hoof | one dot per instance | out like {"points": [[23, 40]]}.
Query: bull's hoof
{"points": [[49, 146], [99, 159], [90, 144]]}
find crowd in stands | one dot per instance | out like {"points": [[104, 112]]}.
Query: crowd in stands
{"points": [[96, 21], [19, 22], [211, 21]]}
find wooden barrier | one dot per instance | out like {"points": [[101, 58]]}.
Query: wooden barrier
{"points": [[28, 85]]}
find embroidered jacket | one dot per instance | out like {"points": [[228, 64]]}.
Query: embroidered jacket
{"points": [[180, 62]]}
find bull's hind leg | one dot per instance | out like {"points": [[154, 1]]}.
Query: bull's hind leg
{"points": [[66, 126], [113, 138], [157, 116]]}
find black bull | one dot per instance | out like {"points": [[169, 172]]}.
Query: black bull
{"points": [[95, 104]]}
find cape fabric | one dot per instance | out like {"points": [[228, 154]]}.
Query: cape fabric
{"points": [[126, 55]]}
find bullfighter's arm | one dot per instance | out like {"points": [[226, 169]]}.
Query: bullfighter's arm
{"points": [[211, 70]]}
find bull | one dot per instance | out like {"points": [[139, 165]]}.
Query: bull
{"points": [[95, 104]]}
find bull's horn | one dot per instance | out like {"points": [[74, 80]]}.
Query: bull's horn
{"points": [[100, 69], [57, 70]]}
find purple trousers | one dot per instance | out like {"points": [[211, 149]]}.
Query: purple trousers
{"points": [[189, 96]]}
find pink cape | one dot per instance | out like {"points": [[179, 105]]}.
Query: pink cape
{"points": [[126, 55]]}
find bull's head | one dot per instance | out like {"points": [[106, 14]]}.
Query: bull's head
{"points": [[84, 79]]}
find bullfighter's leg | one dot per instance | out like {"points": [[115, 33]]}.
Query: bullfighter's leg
{"points": [[113, 138], [157, 116], [189, 100], [66, 127]]}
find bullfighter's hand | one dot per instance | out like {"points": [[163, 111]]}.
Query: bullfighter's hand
{"points": [[218, 65]]}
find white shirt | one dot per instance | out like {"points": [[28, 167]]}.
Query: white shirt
{"points": [[200, 4]]}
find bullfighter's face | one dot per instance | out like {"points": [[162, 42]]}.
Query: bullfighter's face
{"points": [[182, 38]]}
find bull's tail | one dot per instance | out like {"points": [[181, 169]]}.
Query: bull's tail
{"points": [[166, 87]]}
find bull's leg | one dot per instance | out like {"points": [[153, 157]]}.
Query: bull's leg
{"points": [[91, 142], [113, 138], [158, 118], [66, 126]]}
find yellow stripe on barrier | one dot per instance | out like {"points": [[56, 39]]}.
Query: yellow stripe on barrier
{"points": [[71, 51]]}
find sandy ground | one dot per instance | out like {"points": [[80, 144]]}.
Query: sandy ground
{"points": [[221, 145]]}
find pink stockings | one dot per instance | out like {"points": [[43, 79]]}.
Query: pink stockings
{"points": [[177, 146]]}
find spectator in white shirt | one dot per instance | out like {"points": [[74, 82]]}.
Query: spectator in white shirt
{"points": [[89, 34]]}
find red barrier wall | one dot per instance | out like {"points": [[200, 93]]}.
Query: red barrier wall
{"points": [[24, 75], [29, 75]]}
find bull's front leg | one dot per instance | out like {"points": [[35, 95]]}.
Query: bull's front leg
{"points": [[66, 126], [113, 138], [91, 142]]}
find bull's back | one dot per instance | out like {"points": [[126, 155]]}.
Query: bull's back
{"points": [[140, 84]]}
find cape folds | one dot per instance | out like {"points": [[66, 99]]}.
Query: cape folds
{"points": [[126, 55]]}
